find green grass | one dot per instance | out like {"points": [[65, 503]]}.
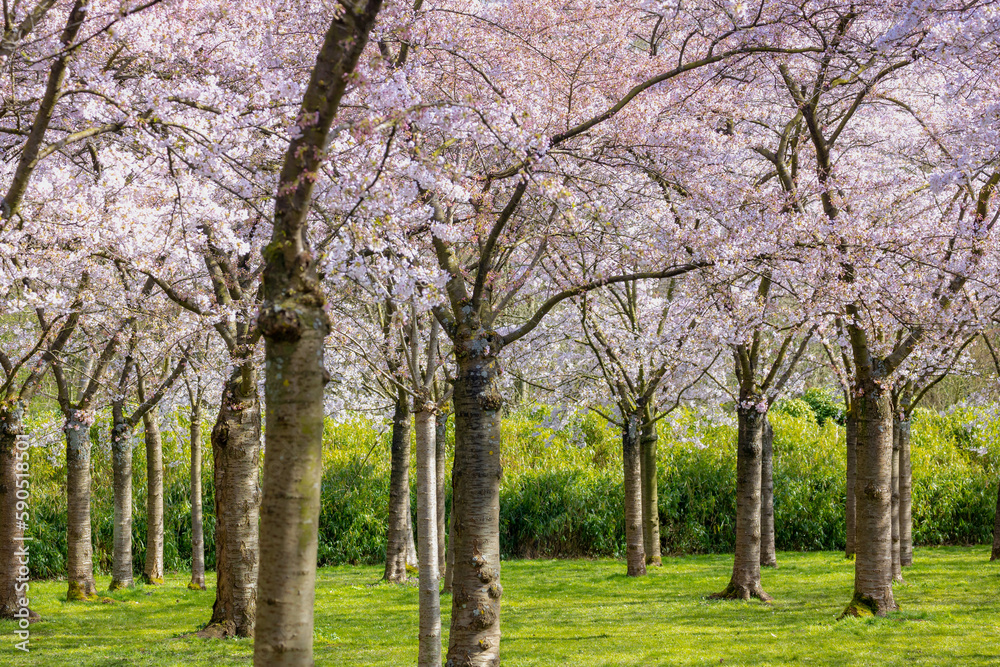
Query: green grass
{"points": [[574, 612]]}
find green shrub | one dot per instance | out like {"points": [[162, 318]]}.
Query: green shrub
{"points": [[793, 407], [561, 492], [562, 513], [826, 405]]}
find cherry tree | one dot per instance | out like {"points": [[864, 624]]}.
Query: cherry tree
{"points": [[294, 325], [641, 338], [24, 369], [874, 214], [498, 173]]}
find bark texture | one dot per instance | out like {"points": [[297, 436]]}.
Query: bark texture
{"points": [[850, 508], [398, 533], [873, 494], [80, 548], [440, 463], [294, 324], [449, 568], [11, 518], [152, 572], [123, 426], [474, 639], [905, 495], [635, 557], [745, 582], [197, 519], [429, 652], [236, 454], [768, 555], [293, 470], [121, 460], [897, 569], [650, 502]]}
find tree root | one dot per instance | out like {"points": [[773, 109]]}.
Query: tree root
{"points": [[862, 606], [225, 630], [742, 592]]}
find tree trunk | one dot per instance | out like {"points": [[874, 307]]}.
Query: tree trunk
{"points": [[768, 555], [14, 459], [905, 495], [429, 654], [293, 472], [197, 521], [474, 639], [449, 568], [121, 461], [850, 513], [650, 503], [236, 457], [635, 557], [745, 582], [294, 324], [398, 532], [897, 569], [80, 548], [153, 570], [873, 494], [440, 463]]}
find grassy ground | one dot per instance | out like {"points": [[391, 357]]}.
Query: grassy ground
{"points": [[569, 612]]}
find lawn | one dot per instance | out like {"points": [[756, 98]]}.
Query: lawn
{"points": [[574, 612]]}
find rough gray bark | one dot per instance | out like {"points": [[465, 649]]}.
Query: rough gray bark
{"points": [[905, 495], [293, 471], [15, 465], [449, 568], [197, 520], [79, 560], [650, 502], [236, 458], [429, 652], [153, 568], [897, 569], [294, 324], [474, 639], [78, 418], [745, 582], [440, 462], [398, 533], [12, 519], [768, 555], [121, 447], [873, 494], [121, 459], [850, 511], [635, 557]]}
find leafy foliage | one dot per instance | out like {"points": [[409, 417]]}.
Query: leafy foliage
{"points": [[825, 405], [561, 494]]}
